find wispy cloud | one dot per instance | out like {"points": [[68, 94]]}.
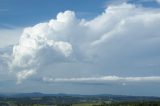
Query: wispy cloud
{"points": [[104, 79], [113, 2], [158, 1], [9, 35], [3, 10]]}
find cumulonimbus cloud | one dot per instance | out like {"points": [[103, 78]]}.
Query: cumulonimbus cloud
{"points": [[68, 38], [34, 48]]}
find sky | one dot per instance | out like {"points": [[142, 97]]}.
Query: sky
{"points": [[80, 46]]}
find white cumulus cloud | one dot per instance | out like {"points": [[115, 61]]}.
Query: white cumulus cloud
{"points": [[121, 33]]}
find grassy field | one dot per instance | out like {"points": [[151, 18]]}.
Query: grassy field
{"points": [[78, 101], [85, 104]]}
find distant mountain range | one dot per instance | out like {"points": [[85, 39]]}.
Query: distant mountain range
{"points": [[38, 94]]}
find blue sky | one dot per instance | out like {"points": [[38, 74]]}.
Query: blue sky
{"points": [[25, 13], [35, 11], [80, 47]]}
